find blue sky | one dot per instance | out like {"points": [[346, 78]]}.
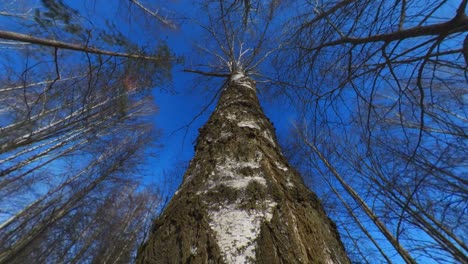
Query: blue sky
{"points": [[179, 101], [179, 106], [178, 110], [182, 99]]}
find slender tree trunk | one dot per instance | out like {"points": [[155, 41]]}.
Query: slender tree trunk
{"points": [[365, 207], [240, 201]]}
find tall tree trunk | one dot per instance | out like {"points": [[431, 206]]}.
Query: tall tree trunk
{"points": [[240, 201]]}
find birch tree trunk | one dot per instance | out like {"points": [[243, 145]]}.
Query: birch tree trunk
{"points": [[240, 201]]}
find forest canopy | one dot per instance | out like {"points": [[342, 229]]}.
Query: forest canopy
{"points": [[376, 93]]}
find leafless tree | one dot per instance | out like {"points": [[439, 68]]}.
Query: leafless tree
{"points": [[238, 168], [382, 90], [73, 124]]}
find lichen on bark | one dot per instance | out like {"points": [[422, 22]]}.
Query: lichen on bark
{"points": [[240, 201]]}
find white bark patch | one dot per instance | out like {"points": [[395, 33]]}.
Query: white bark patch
{"points": [[242, 183], [297, 235], [284, 168], [193, 250], [289, 183], [248, 123], [245, 84], [236, 231], [236, 76], [231, 116], [228, 173], [328, 259], [280, 166], [268, 136], [236, 100], [238, 79], [196, 170], [225, 135]]}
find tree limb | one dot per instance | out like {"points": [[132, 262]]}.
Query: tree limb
{"points": [[212, 74], [69, 46], [161, 19], [456, 25]]}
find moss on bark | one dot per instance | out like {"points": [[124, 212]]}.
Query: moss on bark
{"points": [[238, 165]]}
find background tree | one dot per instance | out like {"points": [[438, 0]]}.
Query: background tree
{"points": [[74, 117], [378, 89], [382, 93]]}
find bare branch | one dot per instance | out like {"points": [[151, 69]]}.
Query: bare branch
{"points": [[211, 74], [155, 14], [63, 45]]}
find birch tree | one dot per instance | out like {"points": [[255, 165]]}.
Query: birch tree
{"points": [[240, 200], [381, 86], [75, 102]]}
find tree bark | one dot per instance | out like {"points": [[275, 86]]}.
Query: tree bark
{"points": [[240, 201]]}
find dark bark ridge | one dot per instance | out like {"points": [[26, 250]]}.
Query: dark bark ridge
{"points": [[240, 201]]}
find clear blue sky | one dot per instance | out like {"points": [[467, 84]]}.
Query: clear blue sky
{"points": [[185, 98], [178, 107], [187, 95]]}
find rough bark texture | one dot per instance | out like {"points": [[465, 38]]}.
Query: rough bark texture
{"points": [[240, 201]]}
